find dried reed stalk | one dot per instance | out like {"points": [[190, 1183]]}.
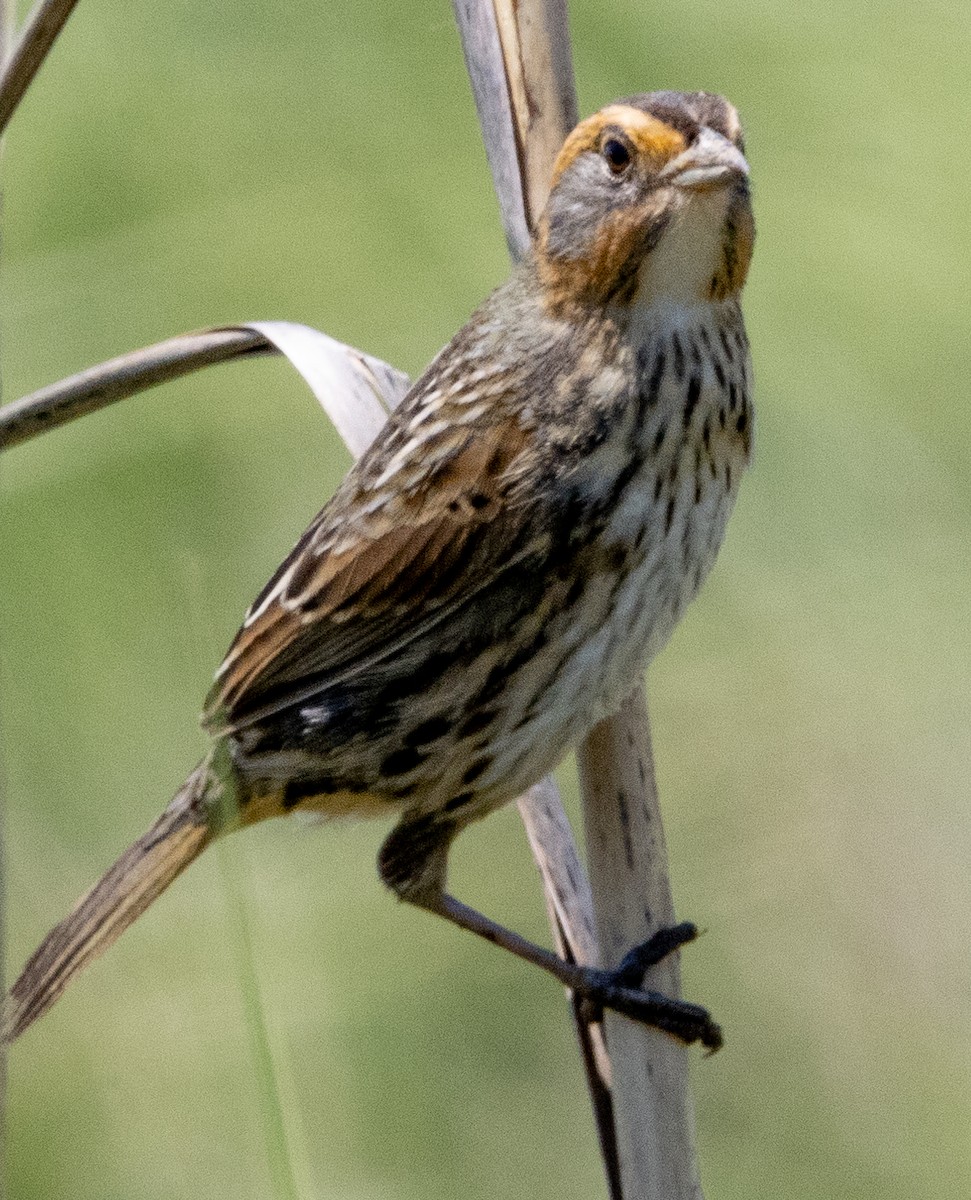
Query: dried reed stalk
{"points": [[32, 47], [653, 1135]]}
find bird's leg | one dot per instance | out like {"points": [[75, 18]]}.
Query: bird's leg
{"points": [[412, 863]]}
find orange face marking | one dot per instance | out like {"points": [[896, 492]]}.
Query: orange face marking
{"points": [[655, 141]]}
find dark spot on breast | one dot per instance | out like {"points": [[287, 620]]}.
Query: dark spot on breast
{"points": [[706, 433], [401, 791], [647, 396], [657, 371], [577, 588], [495, 682], [659, 437], [400, 762], [453, 506], [525, 653], [616, 558], [477, 721], [726, 345], [459, 800], [477, 768], [691, 401], [669, 515], [722, 417], [742, 421], [478, 501], [719, 373], [434, 666], [678, 356], [732, 396], [634, 464], [428, 731]]}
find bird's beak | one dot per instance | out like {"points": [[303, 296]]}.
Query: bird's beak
{"points": [[711, 162]]}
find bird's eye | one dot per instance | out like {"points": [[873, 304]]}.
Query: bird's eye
{"points": [[617, 155]]}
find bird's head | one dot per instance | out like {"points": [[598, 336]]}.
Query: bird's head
{"points": [[649, 203]]}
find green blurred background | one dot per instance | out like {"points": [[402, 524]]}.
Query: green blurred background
{"points": [[183, 165]]}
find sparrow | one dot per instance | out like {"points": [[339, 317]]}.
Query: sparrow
{"points": [[496, 572]]}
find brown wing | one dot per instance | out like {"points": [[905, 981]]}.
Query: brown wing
{"points": [[393, 554]]}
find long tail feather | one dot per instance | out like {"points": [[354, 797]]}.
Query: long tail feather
{"points": [[100, 917]]}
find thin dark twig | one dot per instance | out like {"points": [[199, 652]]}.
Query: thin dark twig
{"points": [[43, 25]]}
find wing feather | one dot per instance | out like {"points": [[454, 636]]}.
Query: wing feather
{"points": [[378, 567]]}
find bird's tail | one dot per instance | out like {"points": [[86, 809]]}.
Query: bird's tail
{"points": [[99, 918]]}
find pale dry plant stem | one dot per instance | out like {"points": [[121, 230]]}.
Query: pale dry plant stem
{"points": [[24, 61], [106, 383], [653, 1117], [627, 860]]}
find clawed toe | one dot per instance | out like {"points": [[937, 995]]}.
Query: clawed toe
{"points": [[630, 972], [622, 991], [687, 1022]]}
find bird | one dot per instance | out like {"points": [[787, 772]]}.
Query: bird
{"points": [[495, 573]]}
